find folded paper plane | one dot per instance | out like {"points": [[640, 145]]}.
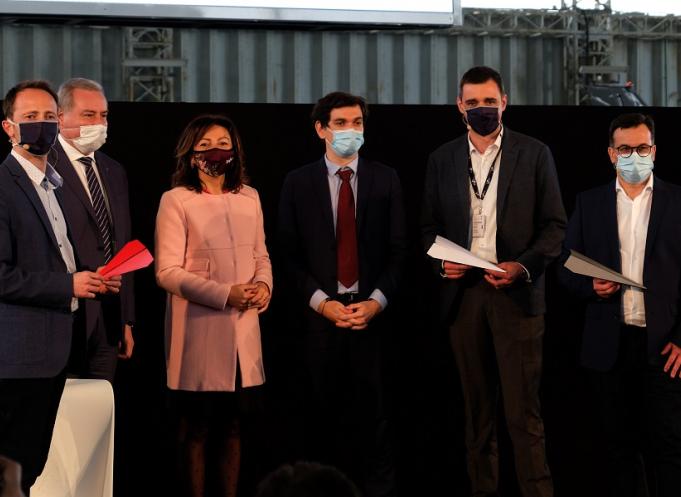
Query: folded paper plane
{"points": [[581, 264], [131, 257]]}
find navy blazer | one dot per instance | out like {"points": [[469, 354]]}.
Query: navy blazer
{"points": [[88, 244], [307, 238], [530, 215], [35, 287], [593, 231]]}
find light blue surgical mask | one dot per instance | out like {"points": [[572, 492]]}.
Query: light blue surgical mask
{"points": [[347, 142], [635, 169]]}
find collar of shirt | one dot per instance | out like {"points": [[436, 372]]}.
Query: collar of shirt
{"points": [[54, 180], [648, 188], [494, 147], [333, 168], [72, 152]]}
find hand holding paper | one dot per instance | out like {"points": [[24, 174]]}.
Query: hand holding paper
{"points": [[449, 251], [131, 257], [581, 264]]}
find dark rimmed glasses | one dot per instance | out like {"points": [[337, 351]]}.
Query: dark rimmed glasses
{"points": [[626, 151]]}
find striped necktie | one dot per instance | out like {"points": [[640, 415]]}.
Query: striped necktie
{"points": [[99, 206]]}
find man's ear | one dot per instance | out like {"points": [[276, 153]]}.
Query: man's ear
{"points": [[319, 128]]}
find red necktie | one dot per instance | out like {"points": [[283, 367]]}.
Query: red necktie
{"points": [[346, 232]]}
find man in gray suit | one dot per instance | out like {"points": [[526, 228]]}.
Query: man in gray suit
{"points": [[495, 192], [39, 283]]}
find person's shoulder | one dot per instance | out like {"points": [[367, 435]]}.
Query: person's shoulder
{"points": [[672, 189], [304, 171], [179, 194], [523, 140], [102, 158], [249, 191], [447, 148], [595, 195]]}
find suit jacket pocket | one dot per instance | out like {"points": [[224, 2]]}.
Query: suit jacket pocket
{"points": [[23, 332]]}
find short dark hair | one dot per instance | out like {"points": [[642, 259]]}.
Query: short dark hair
{"points": [[481, 74], [631, 120], [188, 176], [306, 479], [29, 84], [322, 109]]}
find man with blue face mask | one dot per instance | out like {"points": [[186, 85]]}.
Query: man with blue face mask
{"points": [[495, 191], [96, 202], [40, 285], [342, 238], [631, 343]]}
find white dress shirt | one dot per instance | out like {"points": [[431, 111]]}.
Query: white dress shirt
{"points": [[485, 247], [334, 191], [632, 226], [45, 184]]}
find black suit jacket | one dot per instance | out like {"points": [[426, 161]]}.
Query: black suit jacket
{"points": [[308, 241], [115, 310], [35, 287], [593, 231], [530, 215]]}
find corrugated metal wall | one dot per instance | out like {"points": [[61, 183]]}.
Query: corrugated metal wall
{"points": [[241, 65]]}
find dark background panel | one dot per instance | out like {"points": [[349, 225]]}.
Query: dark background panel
{"points": [[423, 385]]}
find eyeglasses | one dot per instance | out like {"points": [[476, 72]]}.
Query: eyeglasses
{"points": [[626, 151]]}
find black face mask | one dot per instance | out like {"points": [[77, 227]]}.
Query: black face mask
{"points": [[37, 137], [214, 161], [483, 120]]}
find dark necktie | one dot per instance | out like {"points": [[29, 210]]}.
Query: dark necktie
{"points": [[99, 206], [346, 232]]}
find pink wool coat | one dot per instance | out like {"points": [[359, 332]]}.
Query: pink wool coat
{"points": [[205, 244]]}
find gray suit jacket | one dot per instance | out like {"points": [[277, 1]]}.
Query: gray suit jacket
{"points": [[530, 215], [35, 288]]}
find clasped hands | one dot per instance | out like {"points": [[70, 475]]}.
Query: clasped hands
{"points": [[88, 283], [514, 270], [249, 296], [354, 316]]}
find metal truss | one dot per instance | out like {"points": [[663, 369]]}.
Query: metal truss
{"points": [[589, 36], [149, 66]]}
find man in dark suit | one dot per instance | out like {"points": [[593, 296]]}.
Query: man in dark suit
{"points": [[495, 192], [342, 239], [96, 204], [39, 285], [631, 344]]}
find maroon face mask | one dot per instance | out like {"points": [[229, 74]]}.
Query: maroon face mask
{"points": [[214, 161]]}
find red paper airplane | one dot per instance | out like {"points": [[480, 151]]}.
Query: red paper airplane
{"points": [[131, 257]]}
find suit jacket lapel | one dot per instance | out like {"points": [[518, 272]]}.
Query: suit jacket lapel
{"points": [[509, 160], [657, 209], [26, 185], [320, 185], [72, 181], [610, 227], [461, 181], [365, 178]]}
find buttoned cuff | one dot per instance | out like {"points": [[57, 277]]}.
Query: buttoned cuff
{"points": [[317, 298], [378, 296]]}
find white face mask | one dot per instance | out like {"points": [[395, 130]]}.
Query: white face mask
{"points": [[91, 137]]}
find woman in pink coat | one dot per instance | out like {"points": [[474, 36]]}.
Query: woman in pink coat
{"points": [[212, 260]]}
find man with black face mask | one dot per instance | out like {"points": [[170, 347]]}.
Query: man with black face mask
{"points": [[495, 192], [39, 284], [96, 204]]}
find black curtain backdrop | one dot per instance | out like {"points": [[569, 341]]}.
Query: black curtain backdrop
{"points": [[423, 386]]}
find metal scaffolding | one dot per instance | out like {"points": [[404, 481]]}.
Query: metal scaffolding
{"points": [[149, 66]]}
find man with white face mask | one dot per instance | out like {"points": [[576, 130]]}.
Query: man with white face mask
{"points": [[96, 203], [631, 343]]}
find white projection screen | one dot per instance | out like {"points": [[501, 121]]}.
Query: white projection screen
{"points": [[396, 12]]}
